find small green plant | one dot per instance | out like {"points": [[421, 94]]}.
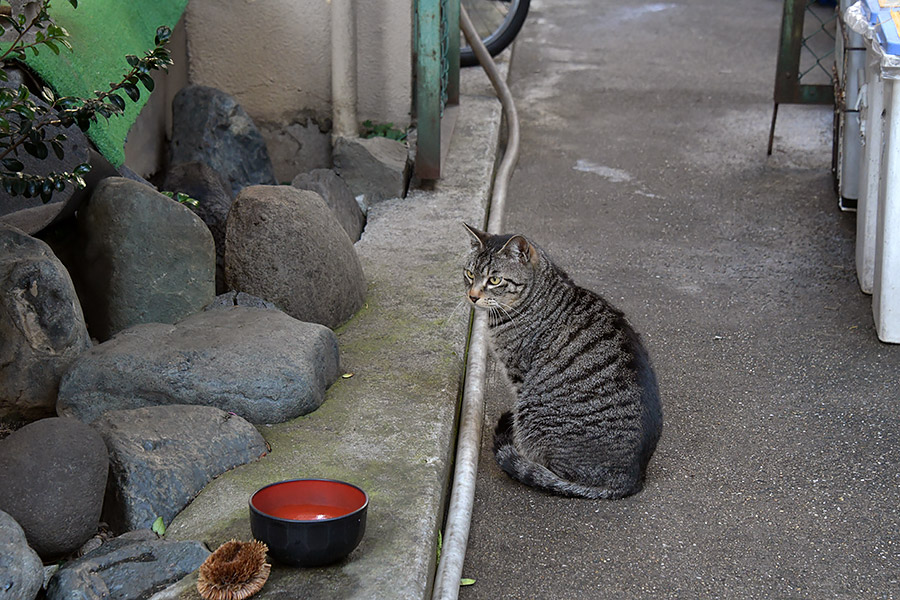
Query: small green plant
{"points": [[158, 527], [182, 198], [371, 129], [24, 123]]}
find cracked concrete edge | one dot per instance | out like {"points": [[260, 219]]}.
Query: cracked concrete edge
{"points": [[389, 428]]}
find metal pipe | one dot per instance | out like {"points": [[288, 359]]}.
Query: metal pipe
{"points": [[343, 69], [462, 497]]}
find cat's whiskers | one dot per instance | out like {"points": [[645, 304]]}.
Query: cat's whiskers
{"points": [[452, 313], [510, 317]]}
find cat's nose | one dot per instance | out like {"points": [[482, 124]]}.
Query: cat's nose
{"points": [[473, 298]]}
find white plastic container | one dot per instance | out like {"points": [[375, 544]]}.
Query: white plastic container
{"points": [[850, 54], [871, 125], [886, 283], [878, 215]]}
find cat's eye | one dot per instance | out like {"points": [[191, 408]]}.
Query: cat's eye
{"points": [[469, 274], [495, 280]]}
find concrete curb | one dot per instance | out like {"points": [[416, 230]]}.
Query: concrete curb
{"points": [[390, 428]]}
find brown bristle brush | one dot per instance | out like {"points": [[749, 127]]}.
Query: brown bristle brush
{"points": [[235, 571]]}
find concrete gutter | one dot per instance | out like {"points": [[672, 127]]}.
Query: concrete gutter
{"points": [[391, 427]]}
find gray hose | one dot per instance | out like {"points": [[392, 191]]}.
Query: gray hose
{"points": [[462, 497]]}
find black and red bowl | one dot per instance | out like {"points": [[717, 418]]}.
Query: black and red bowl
{"points": [[309, 522]]}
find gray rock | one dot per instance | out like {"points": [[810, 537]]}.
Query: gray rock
{"points": [[160, 457], [284, 245], [260, 364], [21, 571], [54, 477], [126, 569], [213, 194], [129, 173], [146, 258], [42, 328], [233, 298], [375, 166], [299, 146], [337, 196], [209, 126]]}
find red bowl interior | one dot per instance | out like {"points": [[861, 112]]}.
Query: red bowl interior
{"points": [[308, 499]]}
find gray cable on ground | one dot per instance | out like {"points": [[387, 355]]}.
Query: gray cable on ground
{"points": [[462, 497]]}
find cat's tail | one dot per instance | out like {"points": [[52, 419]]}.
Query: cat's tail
{"points": [[537, 475]]}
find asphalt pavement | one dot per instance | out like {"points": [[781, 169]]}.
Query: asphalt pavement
{"points": [[643, 172]]}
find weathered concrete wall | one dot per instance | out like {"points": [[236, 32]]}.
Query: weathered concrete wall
{"points": [[274, 56], [148, 141]]}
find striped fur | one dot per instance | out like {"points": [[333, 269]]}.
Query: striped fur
{"points": [[587, 416]]}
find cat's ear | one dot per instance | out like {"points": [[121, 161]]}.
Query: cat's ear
{"points": [[479, 238], [520, 249]]}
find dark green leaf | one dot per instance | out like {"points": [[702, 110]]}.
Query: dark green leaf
{"points": [[18, 186], [117, 100], [11, 164], [59, 185], [38, 150], [57, 149], [31, 189], [82, 169], [132, 60], [133, 92], [66, 102], [24, 111], [83, 121], [53, 47], [147, 81], [74, 3], [162, 35]]}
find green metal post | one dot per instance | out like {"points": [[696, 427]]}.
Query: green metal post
{"points": [[428, 89], [452, 24]]}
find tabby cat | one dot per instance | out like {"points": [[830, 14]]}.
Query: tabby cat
{"points": [[587, 415]]}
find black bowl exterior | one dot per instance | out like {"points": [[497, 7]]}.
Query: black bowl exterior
{"points": [[309, 543]]}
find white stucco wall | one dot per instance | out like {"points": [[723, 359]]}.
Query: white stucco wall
{"points": [[274, 56]]}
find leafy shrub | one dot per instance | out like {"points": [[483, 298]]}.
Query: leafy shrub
{"points": [[24, 123]]}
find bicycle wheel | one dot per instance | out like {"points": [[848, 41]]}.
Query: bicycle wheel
{"points": [[497, 23]]}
